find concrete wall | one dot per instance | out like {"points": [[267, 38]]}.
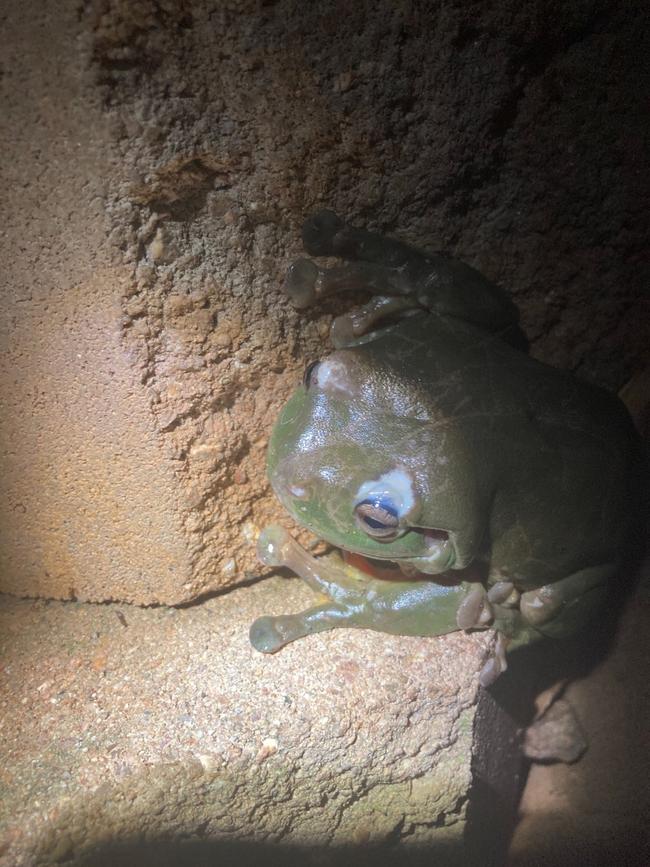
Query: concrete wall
{"points": [[159, 159]]}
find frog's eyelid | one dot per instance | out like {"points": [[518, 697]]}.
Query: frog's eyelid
{"points": [[380, 502]]}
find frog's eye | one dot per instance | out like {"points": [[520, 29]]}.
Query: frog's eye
{"points": [[378, 519], [309, 373]]}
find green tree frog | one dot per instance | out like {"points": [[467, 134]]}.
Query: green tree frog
{"points": [[467, 484]]}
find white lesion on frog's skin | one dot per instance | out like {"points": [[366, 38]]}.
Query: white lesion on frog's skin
{"points": [[436, 443], [332, 375]]}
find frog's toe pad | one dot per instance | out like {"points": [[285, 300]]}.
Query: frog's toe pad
{"points": [[540, 606], [496, 664], [475, 611], [491, 671], [318, 231], [265, 636], [300, 283]]}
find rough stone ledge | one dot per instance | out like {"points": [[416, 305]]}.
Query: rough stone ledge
{"points": [[160, 728]]}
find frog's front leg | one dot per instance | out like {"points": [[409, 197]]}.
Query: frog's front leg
{"points": [[423, 608], [438, 283], [307, 283], [269, 634]]}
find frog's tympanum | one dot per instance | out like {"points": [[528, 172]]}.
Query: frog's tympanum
{"points": [[466, 484]]}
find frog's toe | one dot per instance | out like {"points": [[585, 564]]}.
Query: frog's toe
{"points": [[496, 664], [491, 671], [318, 231], [539, 606], [342, 332], [475, 611], [265, 636], [300, 283], [272, 546]]}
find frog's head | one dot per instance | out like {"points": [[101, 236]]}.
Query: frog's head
{"points": [[357, 457]]}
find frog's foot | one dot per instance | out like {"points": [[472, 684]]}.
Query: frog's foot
{"points": [[504, 593], [266, 634], [496, 664], [325, 234], [269, 634], [307, 283], [564, 606], [356, 326], [475, 611]]}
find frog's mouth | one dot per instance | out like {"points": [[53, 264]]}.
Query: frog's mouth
{"points": [[396, 570], [404, 568]]}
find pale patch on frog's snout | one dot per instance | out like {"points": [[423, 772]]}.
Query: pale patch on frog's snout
{"points": [[333, 375], [300, 492], [395, 485]]}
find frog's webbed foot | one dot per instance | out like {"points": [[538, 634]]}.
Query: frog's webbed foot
{"points": [[326, 234], [307, 283]]}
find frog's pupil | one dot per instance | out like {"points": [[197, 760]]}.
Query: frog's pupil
{"points": [[384, 505], [371, 522]]}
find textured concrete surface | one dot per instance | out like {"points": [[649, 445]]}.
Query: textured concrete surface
{"points": [[88, 497], [127, 730], [159, 160]]}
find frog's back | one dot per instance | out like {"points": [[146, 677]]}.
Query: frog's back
{"points": [[464, 371], [567, 452]]}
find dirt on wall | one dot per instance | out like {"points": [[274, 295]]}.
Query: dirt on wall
{"points": [[510, 135]]}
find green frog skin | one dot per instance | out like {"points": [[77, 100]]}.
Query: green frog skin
{"points": [[498, 487]]}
